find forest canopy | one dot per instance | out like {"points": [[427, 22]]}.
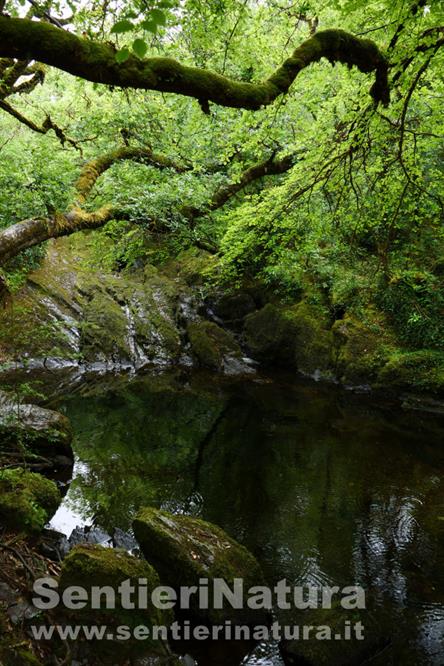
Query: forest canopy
{"points": [[299, 143]]}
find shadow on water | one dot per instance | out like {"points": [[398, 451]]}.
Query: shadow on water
{"points": [[324, 487]]}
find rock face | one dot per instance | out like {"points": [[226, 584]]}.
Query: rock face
{"points": [[90, 566], [43, 429], [75, 313], [185, 550], [27, 500]]}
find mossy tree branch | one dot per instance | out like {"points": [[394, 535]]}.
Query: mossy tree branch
{"points": [[268, 167], [31, 232], [95, 61]]}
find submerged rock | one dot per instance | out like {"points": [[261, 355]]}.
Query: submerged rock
{"points": [[185, 550], [317, 649], [27, 500]]}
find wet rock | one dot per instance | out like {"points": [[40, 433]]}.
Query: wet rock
{"points": [[27, 500], [21, 611], [89, 535], [69, 312], [54, 545], [211, 344], [44, 429], [124, 540], [234, 366], [185, 550]]}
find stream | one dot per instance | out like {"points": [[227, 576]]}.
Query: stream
{"points": [[325, 487]]}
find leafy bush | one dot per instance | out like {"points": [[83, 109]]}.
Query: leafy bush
{"points": [[415, 302]]}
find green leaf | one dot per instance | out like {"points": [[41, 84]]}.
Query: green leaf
{"points": [[149, 25], [122, 55], [122, 26], [158, 16], [140, 48]]}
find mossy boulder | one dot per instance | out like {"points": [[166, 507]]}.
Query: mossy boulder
{"points": [[233, 308], [421, 371], [27, 500], [297, 336], [314, 340], [41, 429], [211, 344], [269, 334], [361, 349], [185, 550], [89, 566]]}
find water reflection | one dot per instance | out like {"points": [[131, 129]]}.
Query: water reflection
{"points": [[324, 487]]}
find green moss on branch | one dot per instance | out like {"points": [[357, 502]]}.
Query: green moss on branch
{"points": [[95, 61]]}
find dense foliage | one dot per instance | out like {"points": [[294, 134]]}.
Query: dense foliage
{"points": [[357, 221]]}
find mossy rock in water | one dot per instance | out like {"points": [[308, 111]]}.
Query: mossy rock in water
{"points": [[420, 370], [322, 648], [185, 550], [361, 350], [89, 566], [40, 429], [210, 344], [297, 336], [27, 500]]}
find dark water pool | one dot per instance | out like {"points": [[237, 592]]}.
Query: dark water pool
{"points": [[324, 487]]}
